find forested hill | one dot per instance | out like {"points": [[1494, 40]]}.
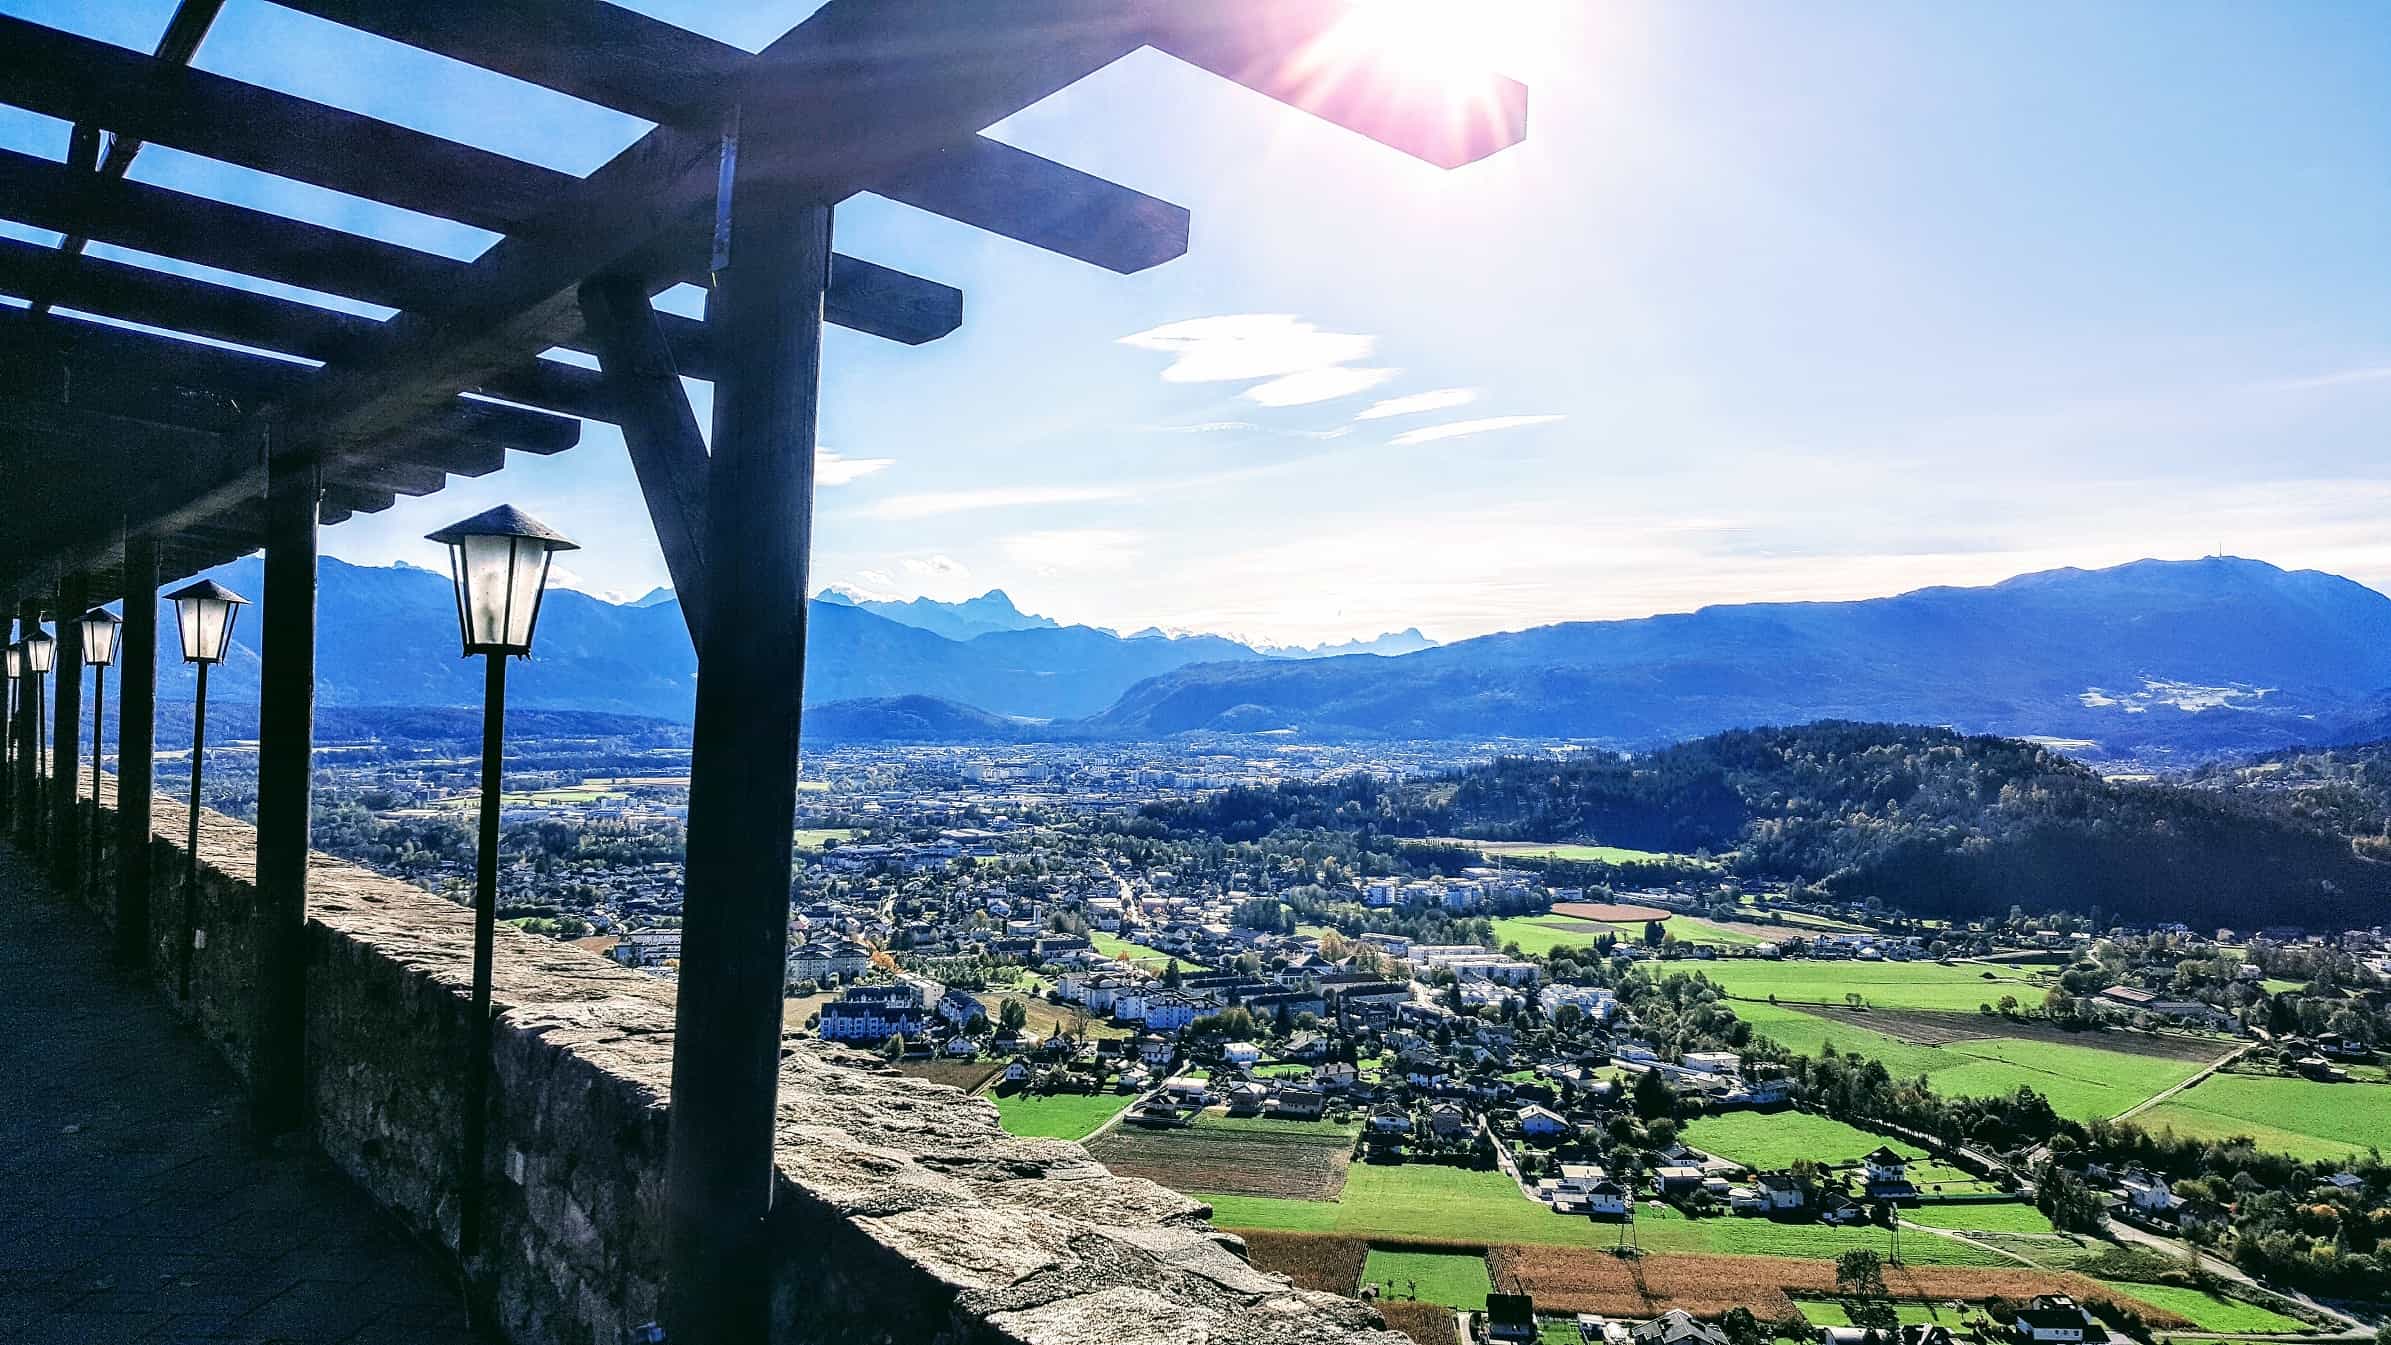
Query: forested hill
{"points": [[1928, 820]]}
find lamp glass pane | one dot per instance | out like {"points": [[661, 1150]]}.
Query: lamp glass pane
{"points": [[39, 648], [205, 625], [99, 641], [16, 661]]}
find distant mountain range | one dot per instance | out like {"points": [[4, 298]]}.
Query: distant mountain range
{"points": [[2190, 658], [2203, 656]]}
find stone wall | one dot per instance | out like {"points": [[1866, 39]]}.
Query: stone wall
{"points": [[903, 1213]]}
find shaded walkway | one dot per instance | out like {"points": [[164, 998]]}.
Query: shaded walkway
{"points": [[132, 1207]]}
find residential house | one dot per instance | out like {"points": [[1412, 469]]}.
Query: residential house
{"points": [[1887, 1175], [1294, 1102], [1543, 1123], [1389, 1119], [1511, 1320], [1677, 1327], [2148, 1194], [1782, 1192], [1450, 1121], [2056, 1319]]}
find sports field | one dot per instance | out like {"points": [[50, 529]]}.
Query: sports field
{"points": [[2295, 1116], [1455, 1279], [2081, 1080], [1062, 1116], [1571, 850], [1416, 1200]]}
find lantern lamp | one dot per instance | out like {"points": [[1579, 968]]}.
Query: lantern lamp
{"points": [[40, 649], [499, 560], [16, 662], [99, 628], [99, 637], [203, 614]]}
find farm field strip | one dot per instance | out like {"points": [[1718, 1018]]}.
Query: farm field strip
{"points": [[1764, 1140], [2299, 1116], [1571, 1280], [2082, 1082], [1422, 1201], [1287, 1164], [2207, 1311]]}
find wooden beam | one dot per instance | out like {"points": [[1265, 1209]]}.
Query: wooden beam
{"points": [[100, 355], [203, 308], [136, 744], [743, 771], [1297, 52], [659, 428], [865, 297], [864, 90], [617, 58], [66, 733], [285, 781]]}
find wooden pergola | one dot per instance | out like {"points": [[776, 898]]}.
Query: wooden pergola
{"points": [[131, 454]]}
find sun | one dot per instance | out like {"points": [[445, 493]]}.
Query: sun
{"points": [[1426, 69], [1442, 41]]}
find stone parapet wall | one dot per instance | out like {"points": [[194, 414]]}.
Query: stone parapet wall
{"points": [[902, 1213]]}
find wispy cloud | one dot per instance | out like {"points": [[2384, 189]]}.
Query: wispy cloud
{"points": [[931, 504], [936, 567], [1298, 362], [1239, 346], [1317, 385], [1057, 551], [1418, 403], [1202, 427], [2342, 378], [831, 468], [1462, 429]]}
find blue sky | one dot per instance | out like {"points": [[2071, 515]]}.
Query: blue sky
{"points": [[1812, 301]]}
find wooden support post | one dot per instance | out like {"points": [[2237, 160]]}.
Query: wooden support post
{"points": [[8, 723], [658, 427], [767, 311], [286, 727], [28, 782], [66, 736], [136, 740]]}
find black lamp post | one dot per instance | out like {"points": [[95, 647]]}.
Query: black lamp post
{"points": [[39, 649], [14, 659], [99, 650], [203, 616], [499, 560]]}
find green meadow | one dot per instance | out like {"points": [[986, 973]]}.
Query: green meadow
{"points": [[1454, 1279], [1061, 1116], [1765, 1140], [1960, 987], [2083, 1082], [2296, 1116]]}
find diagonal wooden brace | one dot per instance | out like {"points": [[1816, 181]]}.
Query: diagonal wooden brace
{"points": [[659, 428]]}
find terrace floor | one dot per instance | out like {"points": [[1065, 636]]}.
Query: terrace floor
{"points": [[133, 1207]]}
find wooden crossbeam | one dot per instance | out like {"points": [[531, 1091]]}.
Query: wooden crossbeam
{"points": [[864, 297], [43, 351], [202, 308], [659, 428], [624, 60], [864, 92], [63, 75]]}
